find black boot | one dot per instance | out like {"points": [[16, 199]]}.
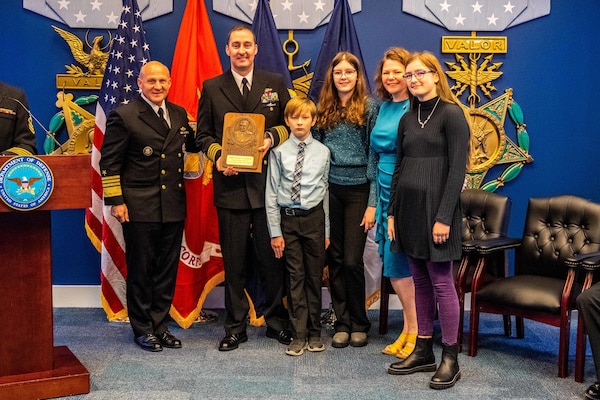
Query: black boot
{"points": [[420, 360], [448, 373]]}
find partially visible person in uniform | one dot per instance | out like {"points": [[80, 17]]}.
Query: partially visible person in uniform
{"points": [[297, 202], [142, 175], [17, 137], [588, 305], [240, 196]]}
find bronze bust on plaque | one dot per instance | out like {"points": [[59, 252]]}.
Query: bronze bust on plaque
{"points": [[243, 134]]}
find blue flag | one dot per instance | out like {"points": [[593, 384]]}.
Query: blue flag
{"points": [[270, 55], [340, 36]]}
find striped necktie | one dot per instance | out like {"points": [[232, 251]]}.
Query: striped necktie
{"points": [[298, 173]]}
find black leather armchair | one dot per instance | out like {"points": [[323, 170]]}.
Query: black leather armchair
{"points": [[544, 286], [485, 216]]}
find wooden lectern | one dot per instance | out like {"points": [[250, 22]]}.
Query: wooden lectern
{"points": [[30, 366]]}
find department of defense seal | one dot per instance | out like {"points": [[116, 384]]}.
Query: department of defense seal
{"points": [[26, 183]]}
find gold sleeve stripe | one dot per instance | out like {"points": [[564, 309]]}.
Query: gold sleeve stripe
{"points": [[112, 186], [19, 151], [282, 132], [111, 180], [213, 150], [30, 125]]}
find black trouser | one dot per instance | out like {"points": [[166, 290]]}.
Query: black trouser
{"points": [[347, 205], [241, 231], [588, 304], [152, 253], [304, 258]]}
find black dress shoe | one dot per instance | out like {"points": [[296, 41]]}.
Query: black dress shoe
{"points": [[148, 342], [283, 336], [232, 342], [593, 392], [168, 340]]}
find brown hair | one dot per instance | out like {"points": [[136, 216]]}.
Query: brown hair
{"points": [[299, 105], [395, 54], [432, 63], [240, 28], [330, 108]]}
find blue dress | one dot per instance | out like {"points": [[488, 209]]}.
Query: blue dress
{"points": [[383, 154]]}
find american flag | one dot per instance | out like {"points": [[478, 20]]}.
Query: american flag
{"points": [[128, 53]]}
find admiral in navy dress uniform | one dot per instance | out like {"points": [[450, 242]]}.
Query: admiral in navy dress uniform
{"points": [[142, 175], [240, 197], [17, 137]]}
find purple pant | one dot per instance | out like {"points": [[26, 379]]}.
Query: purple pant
{"points": [[434, 283]]}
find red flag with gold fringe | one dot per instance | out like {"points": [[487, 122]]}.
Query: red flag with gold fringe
{"points": [[200, 265]]}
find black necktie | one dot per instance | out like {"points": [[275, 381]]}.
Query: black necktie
{"points": [[245, 89], [161, 115]]}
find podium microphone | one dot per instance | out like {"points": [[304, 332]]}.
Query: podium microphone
{"points": [[46, 131]]}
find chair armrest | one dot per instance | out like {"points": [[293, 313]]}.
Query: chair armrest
{"points": [[469, 245], [591, 263], [502, 243]]}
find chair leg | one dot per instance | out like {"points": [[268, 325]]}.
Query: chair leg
{"points": [[520, 327], [563, 347], [580, 346], [461, 304], [460, 284], [581, 338], [384, 305], [473, 329], [507, 325]]}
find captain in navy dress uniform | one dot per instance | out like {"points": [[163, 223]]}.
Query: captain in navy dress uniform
{"points": [[240, 197], [142, 175], [17, 137]]}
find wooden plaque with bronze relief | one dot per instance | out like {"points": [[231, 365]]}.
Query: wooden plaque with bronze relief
{"points": [[243, 134]]}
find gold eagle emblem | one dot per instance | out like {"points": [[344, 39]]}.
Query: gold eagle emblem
{"points": [[472, 76], [95, 61]]}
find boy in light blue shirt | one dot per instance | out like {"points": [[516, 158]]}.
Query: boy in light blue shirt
{"points": [[297, 205]]}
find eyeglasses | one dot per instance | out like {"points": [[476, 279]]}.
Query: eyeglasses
{"points": [[419, 75], [348, 74]]}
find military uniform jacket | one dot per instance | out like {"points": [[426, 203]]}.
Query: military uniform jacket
{"points": [[220, 95], [142, 162], [16, 130]]}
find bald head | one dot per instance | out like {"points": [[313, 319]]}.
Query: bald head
{"points": [[155, 81]]}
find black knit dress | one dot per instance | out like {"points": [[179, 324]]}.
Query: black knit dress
{"points": [[428, 178]]}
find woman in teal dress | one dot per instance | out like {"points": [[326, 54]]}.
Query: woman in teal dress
{"points": [[391, 87]]}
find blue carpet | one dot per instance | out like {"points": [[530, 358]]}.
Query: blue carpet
{"points": [[505, 367]]}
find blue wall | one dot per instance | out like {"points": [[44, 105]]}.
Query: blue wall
{"points": [[551, 65]]}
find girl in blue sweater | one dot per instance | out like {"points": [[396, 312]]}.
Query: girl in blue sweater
{"points": [[346, 116]]}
